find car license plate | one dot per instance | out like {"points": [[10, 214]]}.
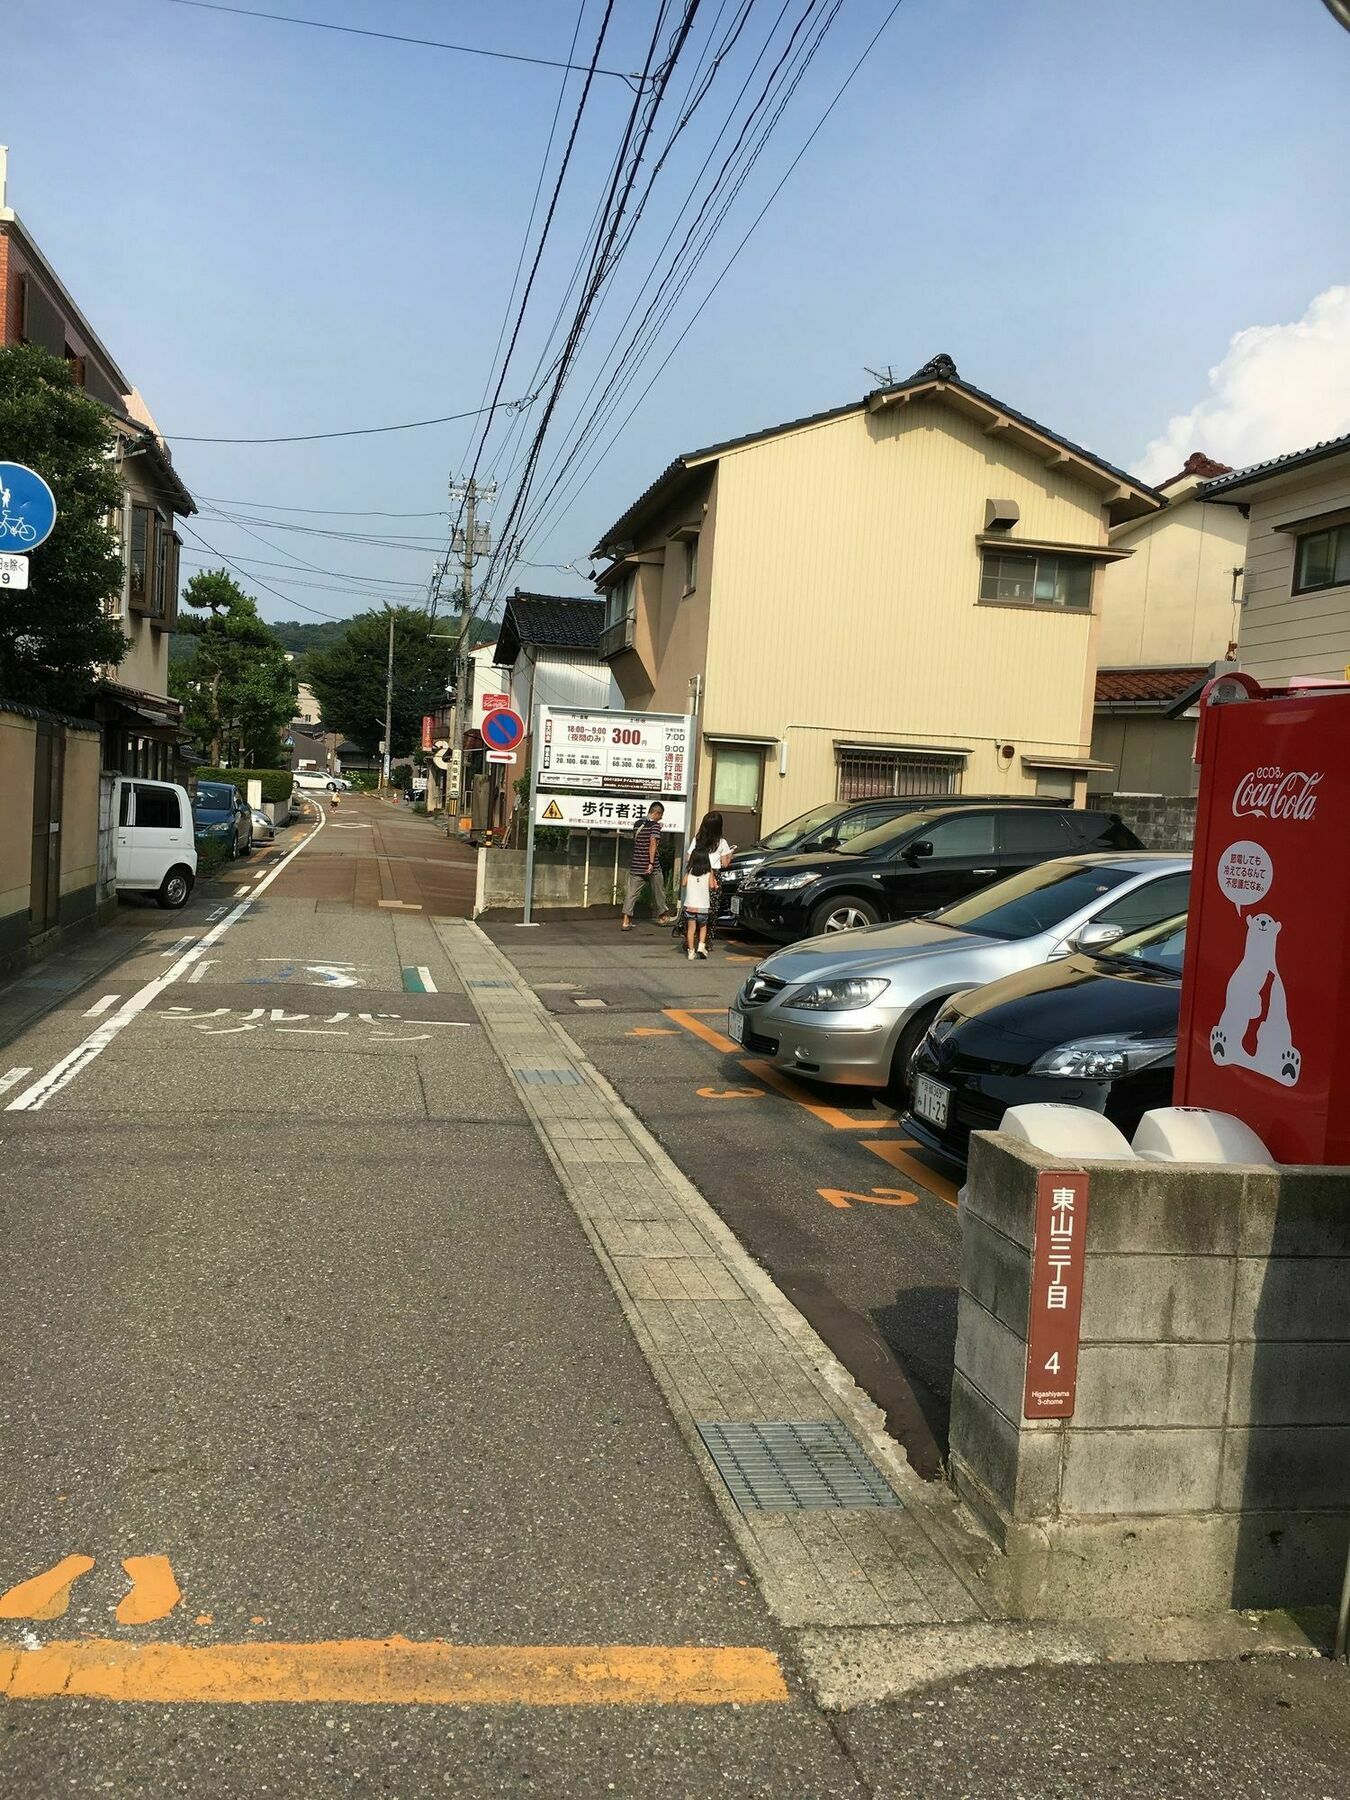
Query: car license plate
{"points": [[735, 1027], [931, 1100], [735, 906]]}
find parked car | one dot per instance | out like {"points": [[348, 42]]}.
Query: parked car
{"points": [[1098, 1031], [853, 1008], [263, 828], [915, 863], [155, 849], [830, 827], [221, 816], [310, 781]]}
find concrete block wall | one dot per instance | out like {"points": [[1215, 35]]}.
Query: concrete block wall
{"points": [[1159, 821], [1207, 1463], [575, 883]]}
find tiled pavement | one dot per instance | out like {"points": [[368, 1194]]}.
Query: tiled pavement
{"points": [[722, 1342]]}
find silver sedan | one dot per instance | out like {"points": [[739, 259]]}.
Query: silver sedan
{"points": [[851, 1008]]}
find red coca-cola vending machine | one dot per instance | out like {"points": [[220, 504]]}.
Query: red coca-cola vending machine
{"points": [[1265, 999]]}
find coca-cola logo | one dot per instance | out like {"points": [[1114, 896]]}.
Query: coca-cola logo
{"points": [[1276, 793]]}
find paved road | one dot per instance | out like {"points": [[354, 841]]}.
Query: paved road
{"points": [[852, 1223], [313, 1380], [295, 1302]]}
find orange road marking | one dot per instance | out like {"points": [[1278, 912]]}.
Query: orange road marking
{"points": [[396, 1671], [900, 1159], [828, 1115], [710, 1093], [45, 1596], [845, 1197], [732, 957], [154, 1592], [691, 1022], [651, 1031]]}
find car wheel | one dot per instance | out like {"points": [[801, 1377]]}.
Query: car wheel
{"points": [[897, 1089], [843, 914], [175, 889]]}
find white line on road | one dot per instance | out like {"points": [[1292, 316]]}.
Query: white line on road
{"points": [[428, 984], [243, 890], [178, 946], [7, 1081], [70, 1065], [101, 1006], [201, 968]]}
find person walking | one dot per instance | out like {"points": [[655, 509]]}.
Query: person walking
{"points": [[699, 886], [709, 838], [645, 865]]}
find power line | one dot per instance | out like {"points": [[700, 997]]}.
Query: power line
{"points": [[310, 437], [258, 562], [391, 37], [349, 512], [257, 581], [753, 227]]}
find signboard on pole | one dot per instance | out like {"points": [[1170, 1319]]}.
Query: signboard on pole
{"points": [[628, 752], [1057, 1247], [13, 572], [27, 508], [601, 812], [501, 756], [502, 729], [428, 730]]}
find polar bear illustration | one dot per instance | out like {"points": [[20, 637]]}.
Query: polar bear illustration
{"points": [[1275, 1055]]}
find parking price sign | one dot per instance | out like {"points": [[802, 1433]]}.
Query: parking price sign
{"points": [[626, 752]]}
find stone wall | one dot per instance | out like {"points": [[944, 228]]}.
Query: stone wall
{"points": [[569, 881], [1207, 1462], [1160, 821]]}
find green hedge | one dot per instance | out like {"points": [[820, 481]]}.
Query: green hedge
{"points": [[276, 783]]}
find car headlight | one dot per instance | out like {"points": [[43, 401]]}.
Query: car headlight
{"points": [[218, 829], [783, 882], [1103, 1058], [844, 995]]}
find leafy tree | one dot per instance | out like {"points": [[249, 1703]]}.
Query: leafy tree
{"points": [[54, 635], [238, 690], [349, 679]]}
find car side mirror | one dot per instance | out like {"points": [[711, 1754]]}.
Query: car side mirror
{"points": [[924, 847], [1096, 935]]}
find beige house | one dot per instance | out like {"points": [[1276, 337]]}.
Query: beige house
{"points": [[1296, 592], [901, 595], [1169, 615]]}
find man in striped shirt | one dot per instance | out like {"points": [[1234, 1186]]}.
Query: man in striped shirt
{"points": [[645, 865]]}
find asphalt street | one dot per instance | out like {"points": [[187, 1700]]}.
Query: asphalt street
{"points": [[325, 1433]]}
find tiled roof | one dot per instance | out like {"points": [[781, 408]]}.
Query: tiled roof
{"points": [[556, 621], [1197, 463], [1276, 465], [1145, 686], [937, 369]]}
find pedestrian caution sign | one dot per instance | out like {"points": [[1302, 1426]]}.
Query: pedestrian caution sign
{"points": [[552, 811]]}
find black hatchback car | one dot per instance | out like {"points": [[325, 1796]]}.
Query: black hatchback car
{"points": [[1096, 1031], [915, 863]]}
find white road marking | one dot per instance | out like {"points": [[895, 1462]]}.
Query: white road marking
{"points": [[63, 1072], [333, 975], [7, 1081], [101, 1006], [428, 985], [240, 890], [202, 967], [215, 913], [177, 947]]}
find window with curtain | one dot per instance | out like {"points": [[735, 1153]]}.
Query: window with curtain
{"points": [[736, 773], [1023, 579]]}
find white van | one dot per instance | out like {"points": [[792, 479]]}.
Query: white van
{"points": [[156, 852]]}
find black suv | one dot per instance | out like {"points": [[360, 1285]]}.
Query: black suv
{"points": [[915, 863], [833, 826]]}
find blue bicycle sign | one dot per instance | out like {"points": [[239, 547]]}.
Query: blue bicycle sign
{"points": [[27, 508]]}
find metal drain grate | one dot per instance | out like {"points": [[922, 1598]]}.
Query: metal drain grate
{"points": [[554, 1077], [793, 1465]]}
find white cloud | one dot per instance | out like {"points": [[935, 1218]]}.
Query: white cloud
{"points": [[1279, 388]]}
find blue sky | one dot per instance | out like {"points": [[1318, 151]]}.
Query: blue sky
{"points": [[280, 230]]}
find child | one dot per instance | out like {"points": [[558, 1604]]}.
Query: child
{"points": [[699, 886]]}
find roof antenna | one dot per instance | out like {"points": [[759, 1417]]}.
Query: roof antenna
{"points": [[882, 378]]}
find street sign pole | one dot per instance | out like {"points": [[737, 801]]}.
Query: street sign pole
{"points": [[536, 743]]}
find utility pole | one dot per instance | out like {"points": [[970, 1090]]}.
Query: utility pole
{"points": [[388, 706], [471, 540]]}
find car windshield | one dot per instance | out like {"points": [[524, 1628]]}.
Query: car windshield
{"points": [[880, 837], [1159, 947], [802, 827], [1033, 900], [213, 796]]}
